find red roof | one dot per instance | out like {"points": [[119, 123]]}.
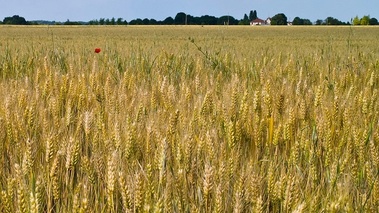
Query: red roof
{"points": [[258, 20]]}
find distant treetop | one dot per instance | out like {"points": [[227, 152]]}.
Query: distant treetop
{"points": [[365, 20], [279, 19], [15, 20]]}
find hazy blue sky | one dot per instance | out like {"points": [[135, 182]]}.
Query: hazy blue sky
{"points": [[85, 10]]}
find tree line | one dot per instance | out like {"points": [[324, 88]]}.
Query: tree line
{"points": [[182, 18], [365, 20]]}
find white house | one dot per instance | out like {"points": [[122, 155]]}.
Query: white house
{"points": [[268, 21], [259, 21]]}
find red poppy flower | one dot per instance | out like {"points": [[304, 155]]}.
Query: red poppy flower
{"points": [[97, 50]]}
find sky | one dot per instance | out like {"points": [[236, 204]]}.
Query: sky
{"points": [[86, 10]]}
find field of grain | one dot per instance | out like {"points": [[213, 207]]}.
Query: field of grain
{"points": [[189, 119]]}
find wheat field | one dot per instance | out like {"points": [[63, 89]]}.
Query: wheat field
{"points": [[189, 119]]}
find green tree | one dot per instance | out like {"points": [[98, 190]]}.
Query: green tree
{"points": [[119, 21], [333, 21], [168, 21], [113, 21], [365, 20], [300, 21], [137, 21], [145, 21], [93, 22], [153, 22], [227, 20], [279, 19], [245, 20], [16, 20], [307, 22], [180, 18], [356, 21], [68, 22], [102, 21], [297, 21], [191, 20], [373, 21], [319, 22], [253, 15], [208, 20]]}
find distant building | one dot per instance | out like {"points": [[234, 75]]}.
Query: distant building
{"points": [[258, 21], [268, 21], [261, 22]]}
